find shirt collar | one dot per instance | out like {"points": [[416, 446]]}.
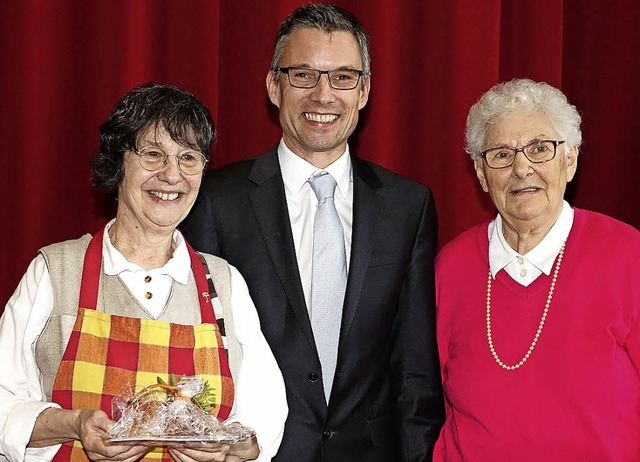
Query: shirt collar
{"points": [[542, 256], [296, 171], [178, 267]]}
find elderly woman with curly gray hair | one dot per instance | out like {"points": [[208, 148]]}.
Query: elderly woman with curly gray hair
{"points": [[539, 309]]}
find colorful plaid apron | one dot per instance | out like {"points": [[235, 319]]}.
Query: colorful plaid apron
{"points": [[106, 353]]}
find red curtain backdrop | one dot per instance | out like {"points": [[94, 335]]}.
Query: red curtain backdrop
{"points": [[65, 64]]}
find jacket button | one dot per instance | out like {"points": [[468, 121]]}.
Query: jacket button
{"points": [[327, 434], [313, 377]]}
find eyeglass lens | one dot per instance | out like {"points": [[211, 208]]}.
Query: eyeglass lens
{"points": [[189, 163], [536, 152], [340, 79]]}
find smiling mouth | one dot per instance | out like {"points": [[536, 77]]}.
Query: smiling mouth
{"points": [[526, 190], [165, 196], [320, 118]]}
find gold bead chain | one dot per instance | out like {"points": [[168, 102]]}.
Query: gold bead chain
{"points": [[540, 326]]}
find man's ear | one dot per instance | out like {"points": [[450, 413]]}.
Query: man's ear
{"points": [[273, 88], [364, 92]]}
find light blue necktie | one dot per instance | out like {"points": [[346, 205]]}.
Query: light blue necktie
{"points": [[328, 276]]}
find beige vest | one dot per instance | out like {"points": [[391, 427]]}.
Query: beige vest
{"points": [[65, 261]]}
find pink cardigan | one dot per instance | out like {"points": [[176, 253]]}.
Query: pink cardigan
{"points": [[578, 396]]}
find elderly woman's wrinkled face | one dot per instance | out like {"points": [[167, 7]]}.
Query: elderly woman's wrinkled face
{"points": [[528, 196], [158, 199]]}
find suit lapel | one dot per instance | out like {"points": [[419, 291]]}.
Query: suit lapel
{"points": [[270, 207], [368, 202]]}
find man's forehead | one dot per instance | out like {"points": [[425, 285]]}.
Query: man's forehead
{"points": [[309, 44]]}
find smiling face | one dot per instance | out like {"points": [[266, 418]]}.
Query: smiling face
{"points": [[528, 196], [156, 201], [317, 122]]}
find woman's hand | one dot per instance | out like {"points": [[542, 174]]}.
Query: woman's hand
{"points": [[198, 452], [215, 452], [93, 426], [89, 426]]}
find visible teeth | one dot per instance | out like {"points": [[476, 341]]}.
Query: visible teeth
{"points": [[321, 118], [165, 196]]}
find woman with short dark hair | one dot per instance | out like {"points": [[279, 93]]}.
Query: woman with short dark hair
{"points": [[134, 303]]}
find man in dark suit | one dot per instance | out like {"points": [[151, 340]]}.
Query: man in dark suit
{"points": [[378, 396]]}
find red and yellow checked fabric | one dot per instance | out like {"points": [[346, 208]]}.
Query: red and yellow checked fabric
{"points": [[106, 354]]}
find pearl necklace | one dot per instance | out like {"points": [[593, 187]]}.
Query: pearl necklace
{"points": [[540, 326]]}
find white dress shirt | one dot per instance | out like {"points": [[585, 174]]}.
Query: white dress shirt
{"points": [[524, 269], [259, 387], [302, 204]]}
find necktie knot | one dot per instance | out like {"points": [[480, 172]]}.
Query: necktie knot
{"points": [[323, 185]]}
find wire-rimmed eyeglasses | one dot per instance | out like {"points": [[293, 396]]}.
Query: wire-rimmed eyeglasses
{"points": [[153, 158], [307, 77], [536, 152]]}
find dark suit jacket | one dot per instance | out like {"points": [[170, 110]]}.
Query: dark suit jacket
{"points": [[386, 402]]}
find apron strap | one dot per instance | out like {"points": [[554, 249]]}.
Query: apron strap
{"points": [[90, 281], [206, 307]]}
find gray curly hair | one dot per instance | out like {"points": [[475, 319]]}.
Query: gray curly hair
{"points": [[522, 95]]}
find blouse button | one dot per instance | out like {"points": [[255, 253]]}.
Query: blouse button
{"points": [[520, 260], [147, 279], [148, 295], [523, 273]]}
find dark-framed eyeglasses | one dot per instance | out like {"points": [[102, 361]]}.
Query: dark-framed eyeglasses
{"points": [[536, 152], [306, 77], [153, 158]]}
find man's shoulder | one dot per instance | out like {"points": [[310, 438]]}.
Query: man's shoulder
{"points": [[237, 169], [372, 172], [233, 174]]}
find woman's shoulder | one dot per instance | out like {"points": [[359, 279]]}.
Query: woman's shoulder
{"points": [[469, 242], [215, 262], [222, 273], [66, 248], [609, 241], [601, 226]]}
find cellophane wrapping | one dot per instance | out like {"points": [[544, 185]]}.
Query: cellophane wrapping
{"points": [[165, 414]]}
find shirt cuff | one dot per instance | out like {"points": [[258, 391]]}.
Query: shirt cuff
{"points": [[18, 429]]}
